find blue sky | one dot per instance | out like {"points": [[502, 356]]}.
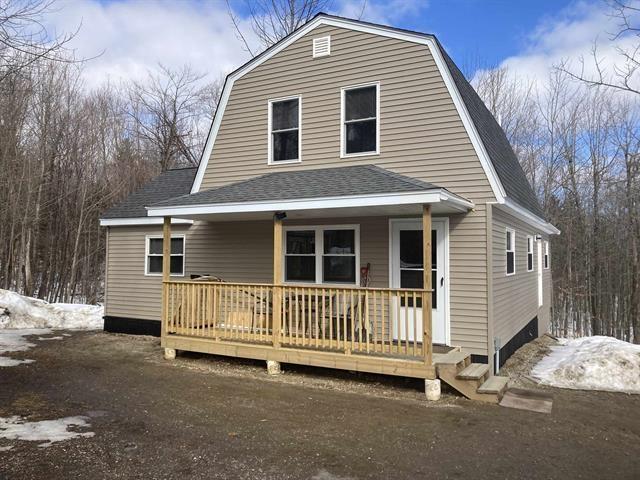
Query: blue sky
{"points": [[485, 30], [527, 36]]}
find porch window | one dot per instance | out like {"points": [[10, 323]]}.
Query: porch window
{"points": [[300, 256], [546, 255], [284, 130], [339, 258], [153, 256], [321, 254], [360, 120], [511, 251], [529, 254]]}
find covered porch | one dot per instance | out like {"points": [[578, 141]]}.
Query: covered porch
{"points": [[346, 324]]}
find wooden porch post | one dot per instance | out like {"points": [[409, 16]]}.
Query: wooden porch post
{"points": [[426, 294], [277, 279], [166, 271]]}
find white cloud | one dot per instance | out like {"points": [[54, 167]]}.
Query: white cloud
{"points": [[133, 37], [570, 36], [130, 38]]}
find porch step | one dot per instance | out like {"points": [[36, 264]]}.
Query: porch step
{"points": [[475, 371], [494, 385], [453, 357], [470, 379]]}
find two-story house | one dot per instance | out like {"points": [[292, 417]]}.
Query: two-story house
{"points": [[299, 238]]}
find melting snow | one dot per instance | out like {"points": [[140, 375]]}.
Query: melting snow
{"points": [[22, 316], [592, 363], [18, 311], [46, 431], [14, 341]]}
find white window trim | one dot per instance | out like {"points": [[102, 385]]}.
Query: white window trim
{"points": [[546, 260], [147, 238], [530, 241], [343, 145], [512, 232], [270, 103], [319, 253]]}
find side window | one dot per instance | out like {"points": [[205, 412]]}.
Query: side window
{"points": [[529, 254], [360, 120], [511, 251], [153, 260], [546, 255], [284, 130]]}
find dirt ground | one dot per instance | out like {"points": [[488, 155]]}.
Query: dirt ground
{"points": [[210, 417]]}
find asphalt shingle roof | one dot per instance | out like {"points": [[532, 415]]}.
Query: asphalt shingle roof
{"points": [[324, 182], [169, 184], [504, 160]]}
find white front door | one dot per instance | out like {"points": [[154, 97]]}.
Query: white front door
{"points": [[407, 272]]}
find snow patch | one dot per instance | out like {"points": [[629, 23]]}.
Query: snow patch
{"points": [[14, 341], [592, 363], [46, 431], [18, 311]]}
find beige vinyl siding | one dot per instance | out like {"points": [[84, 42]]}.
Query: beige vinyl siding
{"points": [[515, 297], [130, 293], [242, 252], [421, 135]]}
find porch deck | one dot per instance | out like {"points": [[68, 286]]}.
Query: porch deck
{"points": [[361, 329]]}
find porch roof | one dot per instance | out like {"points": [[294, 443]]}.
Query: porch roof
{"points": [[353, 190]]}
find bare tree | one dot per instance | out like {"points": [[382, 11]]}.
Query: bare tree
{"points": [[24, 39], [272, 20], [625, 73], [167, 112]]}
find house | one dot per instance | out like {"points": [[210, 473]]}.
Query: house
{"points": [[299, 238]]}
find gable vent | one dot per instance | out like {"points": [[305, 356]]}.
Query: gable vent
{"points": [[321, 46]]}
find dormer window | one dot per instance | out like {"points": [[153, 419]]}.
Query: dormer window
{"points": [[360, 133], [284, 130]]}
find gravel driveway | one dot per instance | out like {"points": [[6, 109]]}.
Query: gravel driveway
{"points": [[210, 417]]}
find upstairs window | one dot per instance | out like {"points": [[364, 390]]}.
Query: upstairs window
{"points": [[529, 254], [153, 257], [284, 130], [546, 255], [511, 251], [360, 120]]}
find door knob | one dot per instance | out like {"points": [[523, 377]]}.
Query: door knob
{"points": [[442, 282]]}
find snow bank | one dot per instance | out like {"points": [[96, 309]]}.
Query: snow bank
{"points": [[592, 363], [46, 431], [18, 311]]}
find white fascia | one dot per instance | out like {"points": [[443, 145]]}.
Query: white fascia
{"points": [[376, 200], [422, 39], [529, 218], [123, 222]]}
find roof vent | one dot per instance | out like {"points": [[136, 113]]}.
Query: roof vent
{"points": [[321, 46]]}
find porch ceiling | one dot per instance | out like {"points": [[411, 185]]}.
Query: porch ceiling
{"points": [[331, 192]]}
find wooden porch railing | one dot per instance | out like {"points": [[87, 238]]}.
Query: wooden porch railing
{"points": [[374, 321]]}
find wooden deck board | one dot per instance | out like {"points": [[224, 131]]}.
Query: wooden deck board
{"points": [[356, 362]]}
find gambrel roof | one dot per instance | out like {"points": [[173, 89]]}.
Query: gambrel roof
{"points": [[507, 179]]}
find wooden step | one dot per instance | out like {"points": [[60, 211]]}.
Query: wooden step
{"points": [[450, 358], [494, 385], [475, 371]]}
